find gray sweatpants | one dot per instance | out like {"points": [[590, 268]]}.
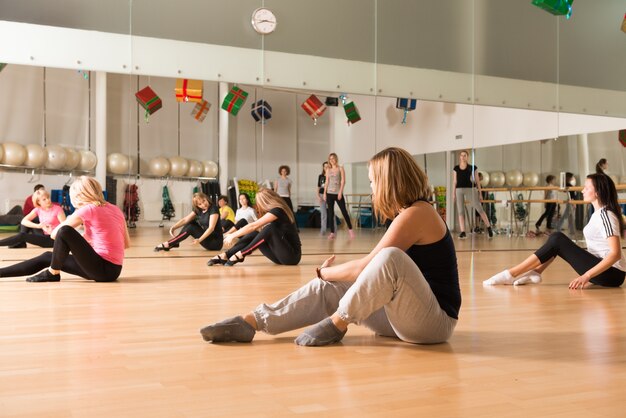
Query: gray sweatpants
{"points": [[471, 195], [390, 297]]}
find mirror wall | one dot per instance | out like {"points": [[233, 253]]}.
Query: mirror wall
{"points": [[503, 79]]}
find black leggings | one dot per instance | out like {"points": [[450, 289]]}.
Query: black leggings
{"points": [[83, 261], [330, 203], [272, 245], [213, 242], [581, 260], [547, 215], [227, 225], [22, 238]]}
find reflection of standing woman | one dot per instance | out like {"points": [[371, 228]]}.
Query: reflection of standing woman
{"points": [[321, 182], [333, 192], [568, 213], [464, 188], [282, 186]]}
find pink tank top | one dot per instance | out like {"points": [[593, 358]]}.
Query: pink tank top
{"points": [[49, 216], [105, 230]]}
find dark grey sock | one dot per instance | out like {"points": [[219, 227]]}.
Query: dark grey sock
{"points": [[322, 333], [232, 329], [45, 276]]}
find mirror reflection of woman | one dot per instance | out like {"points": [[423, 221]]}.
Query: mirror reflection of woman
{"points": [[333, 192], [96, 255], [466, 189], [49, 214]]}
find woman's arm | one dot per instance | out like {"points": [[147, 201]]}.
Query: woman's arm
{"points": [[615, 253], [453, 185], [212, 224], [126, 237], [73, 220], [402, 234], [276, 185], [27, 220], [342, 183], [184, 221], [223, 214]]}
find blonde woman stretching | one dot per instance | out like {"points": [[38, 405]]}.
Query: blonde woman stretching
{"points": [[407, 287], [97, 255]]}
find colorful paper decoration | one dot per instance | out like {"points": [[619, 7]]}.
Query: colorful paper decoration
{"points": [[261, 111], [188, 90], [622, 137], [623, 26], [149, 100], [234, 100], [332, 101], [314, 107], [556, 7], [407, 105], [2, 65], [200, 110], [352, 113]]}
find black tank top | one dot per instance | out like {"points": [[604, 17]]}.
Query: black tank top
{"points": [[464, 177], [438, 264]]}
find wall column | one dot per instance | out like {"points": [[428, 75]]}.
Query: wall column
{"points": [[101, 127], [222, 134]]}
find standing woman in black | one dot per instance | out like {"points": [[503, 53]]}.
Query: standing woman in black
{"points": [[274, 234], [202, 224], [466, 188]]}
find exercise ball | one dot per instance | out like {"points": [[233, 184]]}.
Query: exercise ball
{"points": [[56, 157], [178, 166], [196, 168], [88, 160], [73, 158], [159, 166], [118, 163], [531, 179], [210, 169], [514, 178], [36, 156], [14, 153], [496, 179], [485, 181]]}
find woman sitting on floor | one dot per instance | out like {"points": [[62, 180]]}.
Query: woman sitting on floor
{"points": [[98, 255], [50, 215], [203, 223], [245, 215], [603, 262], [274, 234], [407, 287]]}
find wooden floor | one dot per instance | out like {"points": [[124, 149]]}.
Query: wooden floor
{"points": [[132, 348]]}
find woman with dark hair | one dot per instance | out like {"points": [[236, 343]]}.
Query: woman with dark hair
{"points": [[603, 262], [274, 234], [203, 224], [407, 287], [602, 166], [282, 185], [245, 214]]}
